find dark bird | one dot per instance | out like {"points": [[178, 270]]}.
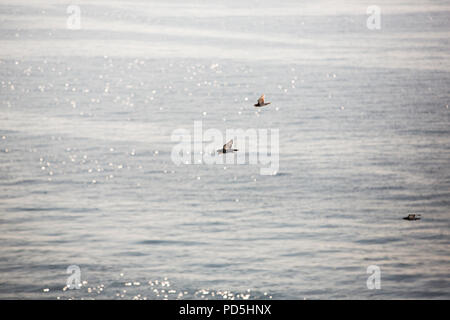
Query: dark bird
{"points": [[412, 217], [227, 147], [261, 102]]}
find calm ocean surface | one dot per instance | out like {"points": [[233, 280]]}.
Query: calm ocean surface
{"points": [[86, 176]]}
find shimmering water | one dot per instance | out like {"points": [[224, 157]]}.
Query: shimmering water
{"points": [[86, 176]]}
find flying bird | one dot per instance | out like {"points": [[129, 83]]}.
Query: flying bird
{"points": [[261, 102], [412, 217], [227, 147]]}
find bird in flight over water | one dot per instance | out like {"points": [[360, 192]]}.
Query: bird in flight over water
{"points": [[412, 217], [227, 147], [261, 102]]}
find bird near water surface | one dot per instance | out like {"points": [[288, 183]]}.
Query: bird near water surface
{"points": [[227, 148], [261, 102], [412, 217]]}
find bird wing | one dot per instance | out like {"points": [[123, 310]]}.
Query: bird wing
{"points": [[228, 145], [261, 100]]}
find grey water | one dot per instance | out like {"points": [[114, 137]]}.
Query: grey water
{"points": [[87, 177]]}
